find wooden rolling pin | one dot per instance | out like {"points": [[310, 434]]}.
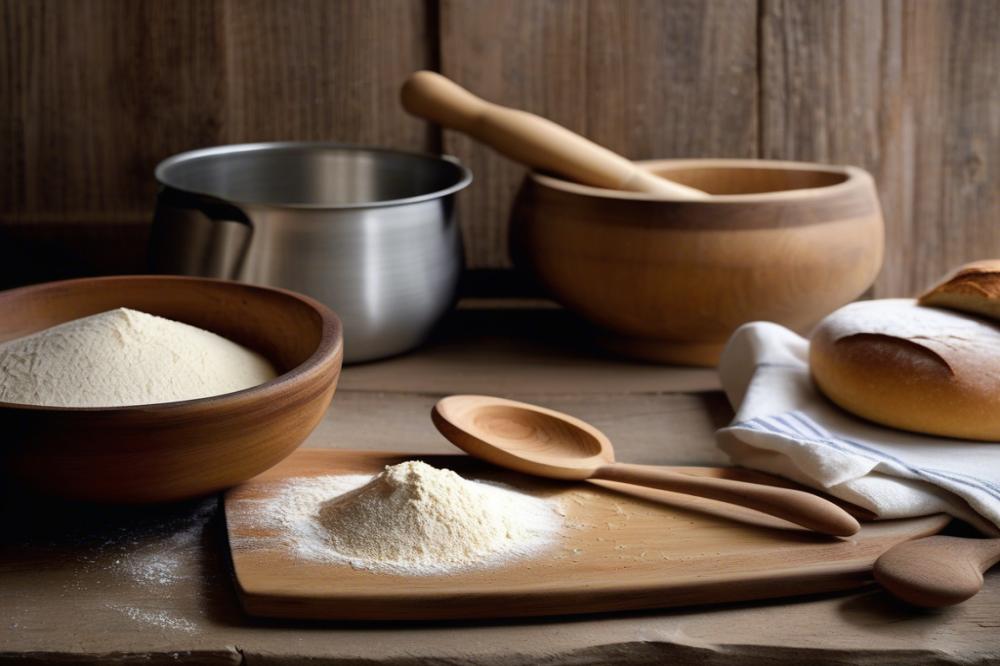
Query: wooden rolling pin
{"points": [[532, 140]]}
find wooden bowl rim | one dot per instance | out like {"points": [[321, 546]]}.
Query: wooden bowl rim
{"points": [[330, 347], [854, 176]]}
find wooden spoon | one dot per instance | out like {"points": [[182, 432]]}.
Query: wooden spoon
{"points": [[936, 571], [543, 442], [530, 139]]}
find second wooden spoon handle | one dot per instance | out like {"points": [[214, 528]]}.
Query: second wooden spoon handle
{"points": [[796, 506], [530, 139]]}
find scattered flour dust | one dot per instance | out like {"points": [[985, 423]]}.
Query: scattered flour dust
{"points": [[157, 618], [159, 558], [124, 357], [411, 519]]}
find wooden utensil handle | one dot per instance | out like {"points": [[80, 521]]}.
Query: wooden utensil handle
{"points": [[988, 551], [530, 139], [802, 508]]}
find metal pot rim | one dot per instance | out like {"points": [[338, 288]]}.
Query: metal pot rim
{"points": [[464, 175]]}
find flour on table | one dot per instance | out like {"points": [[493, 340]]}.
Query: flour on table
{"points": [[124, 357], [163, 554], [411, 519], [157, 618]]}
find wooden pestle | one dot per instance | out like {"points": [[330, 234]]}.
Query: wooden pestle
{"points": [[532, 140]]}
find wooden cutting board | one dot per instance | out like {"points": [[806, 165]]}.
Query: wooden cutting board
{"points": [[624, 548]]}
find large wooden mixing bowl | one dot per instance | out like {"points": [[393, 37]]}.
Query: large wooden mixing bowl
{"points": [[669, 281], [173, 450]]}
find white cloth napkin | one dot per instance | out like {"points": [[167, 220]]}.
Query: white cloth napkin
{"points": [[784, 426]]}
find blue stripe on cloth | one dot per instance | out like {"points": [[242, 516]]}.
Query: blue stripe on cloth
{"points": [[809, 423], [790, 426], [983, 484], [852, 447], [762, 425], [991, 484]]}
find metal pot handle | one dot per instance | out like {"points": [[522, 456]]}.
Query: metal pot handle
{"points": [[198, 235]]}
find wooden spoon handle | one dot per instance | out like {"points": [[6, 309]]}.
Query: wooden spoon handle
{"points": [[802, 508], [988, 551], [530, 139], [936, 571]]}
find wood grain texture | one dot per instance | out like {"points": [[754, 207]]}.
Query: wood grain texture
{"points": [[552, 351], [74, 583], [175, 450], [320, 70], [908, 91], [644, 78], [98, 91], [669, 281], [647, 428], [101, 91], [542, 442], [622, 547], [530, 140], [936, 571]]}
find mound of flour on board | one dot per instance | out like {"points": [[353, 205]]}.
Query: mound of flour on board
{"points": [[124, 357], [412, 519]]}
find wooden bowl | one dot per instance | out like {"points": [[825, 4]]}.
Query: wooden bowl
{"points": [[174, 450], [669, 281]]}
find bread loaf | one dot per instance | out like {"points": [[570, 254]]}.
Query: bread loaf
{"points": [[972, 288], [911, 367]]}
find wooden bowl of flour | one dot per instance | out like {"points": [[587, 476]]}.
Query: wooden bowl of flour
{"points": [[173, 450]]}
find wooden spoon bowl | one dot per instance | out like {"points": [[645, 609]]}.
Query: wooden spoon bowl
{"points": [[173, 450], [544, 442], [524, 437], [669, 281]]}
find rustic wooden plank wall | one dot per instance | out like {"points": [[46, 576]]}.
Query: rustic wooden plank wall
{"points": [[910, 90], [646, 78], [97, 91]]}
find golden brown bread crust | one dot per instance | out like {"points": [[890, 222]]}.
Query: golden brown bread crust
{"points": [[974, 288], [910, 367]]}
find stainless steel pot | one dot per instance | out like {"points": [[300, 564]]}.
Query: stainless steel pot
{"points": [[368, 231]]}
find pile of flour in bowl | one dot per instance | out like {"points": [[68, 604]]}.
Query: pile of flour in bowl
{"points": [[411, 519], [124, 357]]}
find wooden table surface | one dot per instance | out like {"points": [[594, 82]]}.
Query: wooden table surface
{"points": [[83, 584]]}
